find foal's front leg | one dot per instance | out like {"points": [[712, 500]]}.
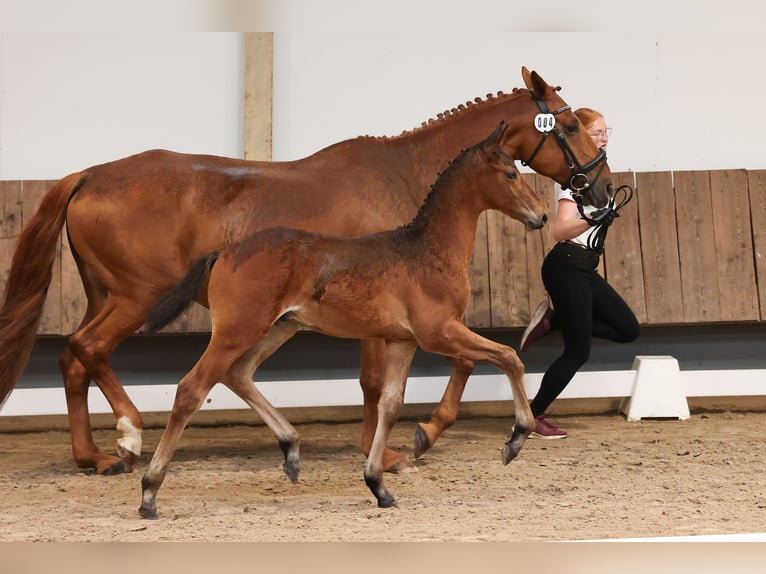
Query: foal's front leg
{"points": [[455, 339], [397, 361]]}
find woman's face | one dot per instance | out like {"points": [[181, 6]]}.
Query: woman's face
{"points": [[599, 132]]}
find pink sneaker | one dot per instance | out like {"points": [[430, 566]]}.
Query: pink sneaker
{"points": [[545, 430], [538, 327]]}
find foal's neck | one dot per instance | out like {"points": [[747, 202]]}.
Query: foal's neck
{"points": [[449, 215]]}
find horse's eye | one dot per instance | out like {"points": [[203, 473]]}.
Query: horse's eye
{"points": [[572, 129], [511, 175]]}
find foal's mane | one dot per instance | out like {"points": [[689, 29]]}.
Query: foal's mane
{"points": [[455, 114], [443, 179]]}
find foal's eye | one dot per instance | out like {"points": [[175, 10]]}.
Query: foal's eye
{"points": [[511, 175]]}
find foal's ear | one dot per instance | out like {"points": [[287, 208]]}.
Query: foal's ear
{"points": [[497, 135], [493, 150]]}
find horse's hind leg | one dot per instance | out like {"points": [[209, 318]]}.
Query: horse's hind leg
{"points": [[89, 351], [397, 358], [84, 450], [239, 379], [445, 414], [190, 394], [372, 380]]}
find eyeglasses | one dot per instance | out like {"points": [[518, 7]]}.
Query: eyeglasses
{"points": [[601, 133]]}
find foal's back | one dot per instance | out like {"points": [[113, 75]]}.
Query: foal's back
{"points": [[374, 286]]}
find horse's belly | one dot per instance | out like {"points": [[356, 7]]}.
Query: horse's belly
{"points": [[348, 323]]}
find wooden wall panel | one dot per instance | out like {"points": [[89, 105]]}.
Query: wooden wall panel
{"points": [[659, 247], [623, 266], [11, 218], [737, 289], [477, 314], [757, 194], [539, 243], [696, 247], [509, 294]]}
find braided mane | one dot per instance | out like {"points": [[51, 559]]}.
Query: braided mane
{"points": [[453, 114]]}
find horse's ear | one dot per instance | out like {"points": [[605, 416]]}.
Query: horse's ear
{"points": [[527, 77], [535, 83]]}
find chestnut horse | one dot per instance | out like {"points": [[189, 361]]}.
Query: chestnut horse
{"points": [[136, 225], [407, 287]]}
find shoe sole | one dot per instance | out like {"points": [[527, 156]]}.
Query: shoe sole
{"points": [[542, 308], [543, 437]]}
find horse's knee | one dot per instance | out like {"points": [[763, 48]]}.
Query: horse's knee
{"points": [[461, 367]]}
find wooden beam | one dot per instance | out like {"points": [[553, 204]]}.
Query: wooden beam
{"points": [[259, 67]]}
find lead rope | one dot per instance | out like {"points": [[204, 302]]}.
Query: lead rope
{"points": [[597, 236]]}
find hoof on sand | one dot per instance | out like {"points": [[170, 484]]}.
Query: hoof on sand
{"points": [[422, 443]]}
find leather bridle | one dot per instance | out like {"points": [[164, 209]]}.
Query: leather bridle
{"points": [[579, 183]]}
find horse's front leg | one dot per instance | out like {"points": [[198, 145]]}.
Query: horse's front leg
{"points": [[397, 357], [372, 379], [445, 414]]}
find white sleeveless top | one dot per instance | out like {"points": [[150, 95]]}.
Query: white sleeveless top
{"points": [[581, 239]]}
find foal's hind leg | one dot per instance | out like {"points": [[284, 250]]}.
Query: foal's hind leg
{"points": [[191, 393], [397, 358], [445, 414], [372, 379], [239, 379]]}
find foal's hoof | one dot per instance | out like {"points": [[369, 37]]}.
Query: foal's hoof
{"points": [[387, 502], [422, 442], [509, 453], [292, 470], [147, 513]]}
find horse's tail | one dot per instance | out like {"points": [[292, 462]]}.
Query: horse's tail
{"points": [[28, 281], [178, 299]]}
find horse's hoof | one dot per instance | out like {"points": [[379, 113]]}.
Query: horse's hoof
{"points": [[292, 470], [403, 466], [128, 458], [387, 502], [147, 513], [422, 443], [117, 467]]}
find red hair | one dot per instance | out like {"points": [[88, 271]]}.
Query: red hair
{"points": [[587, 116]]}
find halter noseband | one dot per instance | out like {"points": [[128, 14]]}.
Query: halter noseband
{"points": [[579, 183]]}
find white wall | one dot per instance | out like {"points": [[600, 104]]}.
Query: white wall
{"points": [[68, 101], [677, 100]]}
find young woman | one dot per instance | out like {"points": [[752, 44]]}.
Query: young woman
{"points": [[585, 305]]}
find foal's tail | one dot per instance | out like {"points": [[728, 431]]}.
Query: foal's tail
{"points": [[178, 299], [28, 281]]}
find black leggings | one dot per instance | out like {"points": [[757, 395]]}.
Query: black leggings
{"points": [[585, 306]]}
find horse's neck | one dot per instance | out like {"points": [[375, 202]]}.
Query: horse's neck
{"points": [[421, 154]]}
